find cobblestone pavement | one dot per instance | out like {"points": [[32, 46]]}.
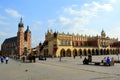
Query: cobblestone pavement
{"points": [[52, 69]]}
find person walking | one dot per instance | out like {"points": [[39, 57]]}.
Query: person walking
{"points": [[2, 59], [6, 59]]}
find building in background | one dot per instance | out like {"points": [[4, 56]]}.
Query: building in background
{"points": [[60, 44], [18, 45]]}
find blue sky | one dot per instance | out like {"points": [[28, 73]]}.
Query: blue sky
{"points": [[74, 16]]}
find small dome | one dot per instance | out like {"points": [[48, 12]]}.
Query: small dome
{"points": [[21, 23]]}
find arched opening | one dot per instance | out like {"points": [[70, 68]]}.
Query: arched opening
{"points": [[85, 52], [111, 51], [74, 52], [105, 52], [62, 53], [117, 51], [108, 52], [93, 52], [80, 52], [97, 52], [101, 52], [68, 53], [89, 52]]}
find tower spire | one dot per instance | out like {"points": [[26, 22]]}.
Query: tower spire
{"points": [[21, 20], [21, 23], [27, 30], [103, 33]]}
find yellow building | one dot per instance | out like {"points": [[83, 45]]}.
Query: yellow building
{"points": [[60, 44]]}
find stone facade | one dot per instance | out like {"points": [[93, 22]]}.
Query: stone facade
{"points": [[18, 45], [57, 44]]}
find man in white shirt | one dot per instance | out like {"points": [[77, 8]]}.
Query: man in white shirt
{"points": [[6, 59]]}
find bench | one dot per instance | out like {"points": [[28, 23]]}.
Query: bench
{"points": [[95, 63], [102, 63], [117, 61]]}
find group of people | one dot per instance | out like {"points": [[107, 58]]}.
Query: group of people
{"points": [[87, 59], [108, 60], [30, 57], [4, 59]]}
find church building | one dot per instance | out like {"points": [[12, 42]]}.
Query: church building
{"points": [[18, 45]]}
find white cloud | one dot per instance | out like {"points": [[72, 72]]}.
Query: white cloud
{"points": [[4, 23], [3, 20], [3, 34], [95, 6], [86, 5], [6, 34], [64, 21], [77, 17], [78, 12], [113, 1], [107, 7], [114, 32], [2, 17], [51, 23], [13, 13]]}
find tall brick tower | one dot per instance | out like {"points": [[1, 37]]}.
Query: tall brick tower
{"points": [[20, 38], [27, 37]]}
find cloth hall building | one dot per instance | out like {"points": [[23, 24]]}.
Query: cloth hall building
{"points": [[60, 44], [18, 45]]}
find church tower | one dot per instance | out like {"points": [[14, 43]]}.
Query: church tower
{"points": [[27, 37], [20, 38]]}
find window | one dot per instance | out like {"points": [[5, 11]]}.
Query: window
{"points": [[65, 42]]}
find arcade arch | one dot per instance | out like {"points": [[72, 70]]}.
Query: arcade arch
{"points": [[68, 53], [75, 52], [62, 53], [85, 52], [80, 52]]}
